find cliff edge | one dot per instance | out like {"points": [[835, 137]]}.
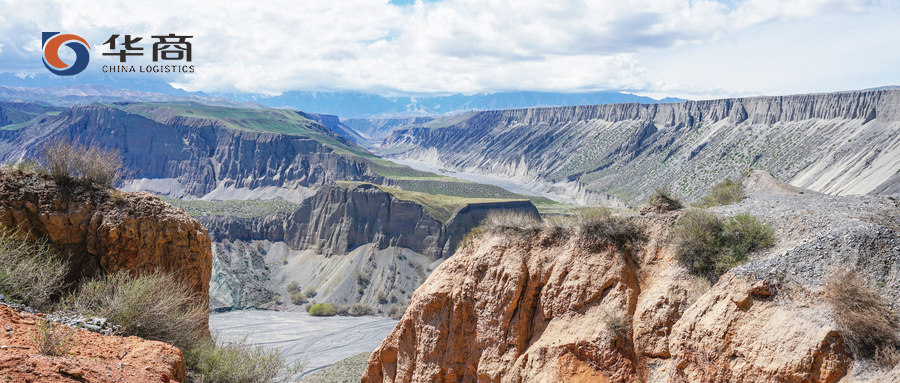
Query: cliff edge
{"points": [[544, 307]]}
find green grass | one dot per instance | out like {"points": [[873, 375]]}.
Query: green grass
{"points": [[439, 206], [234, 208]]}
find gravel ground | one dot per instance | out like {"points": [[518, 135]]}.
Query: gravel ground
{"points": [[819, 234]]}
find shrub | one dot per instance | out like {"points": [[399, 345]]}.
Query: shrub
{"points": [[663, 199], [360, 309], [362, 278], [52, 339], [710, 246], [66, 160], [153, 306], [310, 292], [726, 192], [30, 272], [615, 323], [511, 220], [340, 309], [299, 298], [322, 310], [238, 362], [396, 312], [599, 227], [868, 327], [293, 287]]}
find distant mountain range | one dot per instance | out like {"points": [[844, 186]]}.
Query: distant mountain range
{"points": [[84, 89], [362, 105]]}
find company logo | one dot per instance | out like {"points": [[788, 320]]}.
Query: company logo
{"points": [[52, 41]]}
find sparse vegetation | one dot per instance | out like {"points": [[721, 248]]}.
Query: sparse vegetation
{"points": [[299, 298], [511, 220], [599, 227], [322, 310], [663, 199], [234, 208], [360, 309], [238, 362], [293, 287], [726, 192], [310, 292], [710, 246], [614, 322], [396, 312], [154, 306], [30, 272], [866, 324], [52, 339], [65, 160]]}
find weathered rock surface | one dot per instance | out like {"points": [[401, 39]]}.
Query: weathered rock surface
{"points": [[196, 157], [105, 230], [336, 223], [92, 357], [543, 308], [836, 143]]}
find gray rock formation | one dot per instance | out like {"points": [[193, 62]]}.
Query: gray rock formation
{"points": [[196, 157], [353, 245], [837, 143]]}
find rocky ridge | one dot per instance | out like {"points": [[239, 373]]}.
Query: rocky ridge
{"points": [[837, 143], [351, 233], [195, 157], [544, 308], [103, 230]]}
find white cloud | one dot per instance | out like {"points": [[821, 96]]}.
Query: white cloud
{"points": [[445, 46]]}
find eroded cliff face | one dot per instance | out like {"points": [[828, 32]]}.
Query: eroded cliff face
{"points": [[364, 245], [105, 230], [182, 156], [544, 307], [837, 143]]}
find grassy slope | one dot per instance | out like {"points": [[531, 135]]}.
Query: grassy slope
{"points": [[439, 206], [234, 208]]}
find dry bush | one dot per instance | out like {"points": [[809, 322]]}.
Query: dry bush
{"points": [[600, 227], [293, 287], [866, 324], [65, 160], [238, 362], [30, 272], [663, 199], [51, 338], [310, 292], [299, 298], [511, 220], [360, 309], [396, 312], [614, 321], [154, 306]]}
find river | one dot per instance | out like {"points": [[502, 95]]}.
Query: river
{"points": [[319, 341]]}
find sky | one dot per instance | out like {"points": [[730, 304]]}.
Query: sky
{"points": [[689, 49]]}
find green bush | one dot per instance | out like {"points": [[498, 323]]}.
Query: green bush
{"points": [[238, 362], [726, 192], [866, 324], [322, 310], [30, 272], [710, 246], [66, 160], [153, 306]]}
